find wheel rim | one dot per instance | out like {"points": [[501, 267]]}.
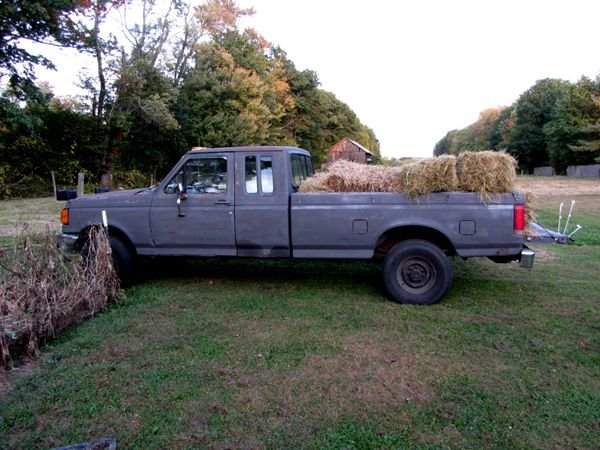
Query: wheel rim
{"points": [[416, 275]]}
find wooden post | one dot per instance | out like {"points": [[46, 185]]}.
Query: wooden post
{"points": [[80, 184], [53, 182]]}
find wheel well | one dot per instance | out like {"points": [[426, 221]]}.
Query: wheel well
{"points": [[391, 237], [112, 231]]}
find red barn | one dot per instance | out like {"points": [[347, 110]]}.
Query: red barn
{"points": [[349, 150]]}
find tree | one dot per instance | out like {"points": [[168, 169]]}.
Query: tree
{"points": [[218, 17], [44, 22], [87, 27], [577, 122], [572, 113], [444, 145], [501, 128], [222, 103], [534, 109], [40, 135]]}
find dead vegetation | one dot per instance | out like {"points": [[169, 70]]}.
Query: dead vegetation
{"points": [[42, 290]]}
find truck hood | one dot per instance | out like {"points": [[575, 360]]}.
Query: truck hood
{"points": [[125, 198]]}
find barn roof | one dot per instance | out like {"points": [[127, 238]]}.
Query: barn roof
{"points": [[366, 150], [356, 144]]}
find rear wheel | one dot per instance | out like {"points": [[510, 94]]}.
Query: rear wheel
{"points": [[417, 272]]}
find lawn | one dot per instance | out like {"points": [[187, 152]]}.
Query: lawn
{"points": [[285, 354]]}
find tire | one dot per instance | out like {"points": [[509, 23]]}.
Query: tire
{"points": [[417, 272], [124, 260]]}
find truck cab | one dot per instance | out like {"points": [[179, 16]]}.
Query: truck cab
{"points": [[228, 202]]}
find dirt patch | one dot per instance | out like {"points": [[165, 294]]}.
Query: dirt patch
{"points": [[543, 255], [365, 377], [375, 374]]}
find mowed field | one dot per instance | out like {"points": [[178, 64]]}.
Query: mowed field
{"points": [[285, 354]]}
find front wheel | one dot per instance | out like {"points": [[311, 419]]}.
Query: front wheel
{"points": [[124, 260], [417, 272]]}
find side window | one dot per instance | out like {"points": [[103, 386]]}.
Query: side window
{"points": [[251, 177], [201, 176], [266, 174], [255, 178], [174, 183]]}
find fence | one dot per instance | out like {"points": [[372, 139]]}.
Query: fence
{"points": [[584, 171], [544, 171]]}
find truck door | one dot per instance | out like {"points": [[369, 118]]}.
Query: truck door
{"points": [[262, 205], [202, 223]]}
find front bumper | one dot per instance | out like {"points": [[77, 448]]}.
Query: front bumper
{"points": [[527, 257], [66, 242]]}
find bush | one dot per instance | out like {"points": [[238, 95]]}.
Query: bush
{"points": [[130, 179]]}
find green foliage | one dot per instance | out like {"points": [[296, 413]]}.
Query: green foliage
{"points": [[130, 179], [169, 92], [223, 103], [555, 123], [534, 109], [478, 136], [243, 92], [20, 21], [42, 136]]}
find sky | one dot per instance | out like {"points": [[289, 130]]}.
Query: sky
{"points": [[414, 70]]}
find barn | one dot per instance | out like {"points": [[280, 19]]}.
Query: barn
{"points": [[349, 150]]}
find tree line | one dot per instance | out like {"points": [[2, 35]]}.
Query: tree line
{"points": [[176, 77], [554, 123]]}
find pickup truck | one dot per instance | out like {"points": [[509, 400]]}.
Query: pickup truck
{"points": [[244, 202]]}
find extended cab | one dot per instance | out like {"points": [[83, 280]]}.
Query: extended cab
{"points": [[243, 202]]}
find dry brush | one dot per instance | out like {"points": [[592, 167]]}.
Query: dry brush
{"points": [[43, 290]]}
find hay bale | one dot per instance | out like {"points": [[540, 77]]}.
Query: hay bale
{"points": [[347, 176], [316, 183], [530, 215], [429, 176], [482, 172], [486, 172]]}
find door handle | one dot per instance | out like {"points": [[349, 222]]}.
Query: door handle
{"points": [[223, 202]]}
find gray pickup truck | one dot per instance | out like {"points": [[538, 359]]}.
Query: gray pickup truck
{"points": [[243, 202]]}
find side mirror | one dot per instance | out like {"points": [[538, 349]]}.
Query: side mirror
{"points": [[181, 194]]}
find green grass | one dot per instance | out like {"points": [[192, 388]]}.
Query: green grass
{"points": [[300, 354], [38, 213]]}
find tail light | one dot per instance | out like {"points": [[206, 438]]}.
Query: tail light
{"points": [[64, 216], [519, 218]]}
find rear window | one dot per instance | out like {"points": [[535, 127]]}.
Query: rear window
{"points": [[302, 168]]}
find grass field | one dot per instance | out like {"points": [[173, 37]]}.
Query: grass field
{"points": [[284, 354]]}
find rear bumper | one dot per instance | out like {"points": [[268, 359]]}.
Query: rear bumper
{"points": [[66, 242], [527, 257]]}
